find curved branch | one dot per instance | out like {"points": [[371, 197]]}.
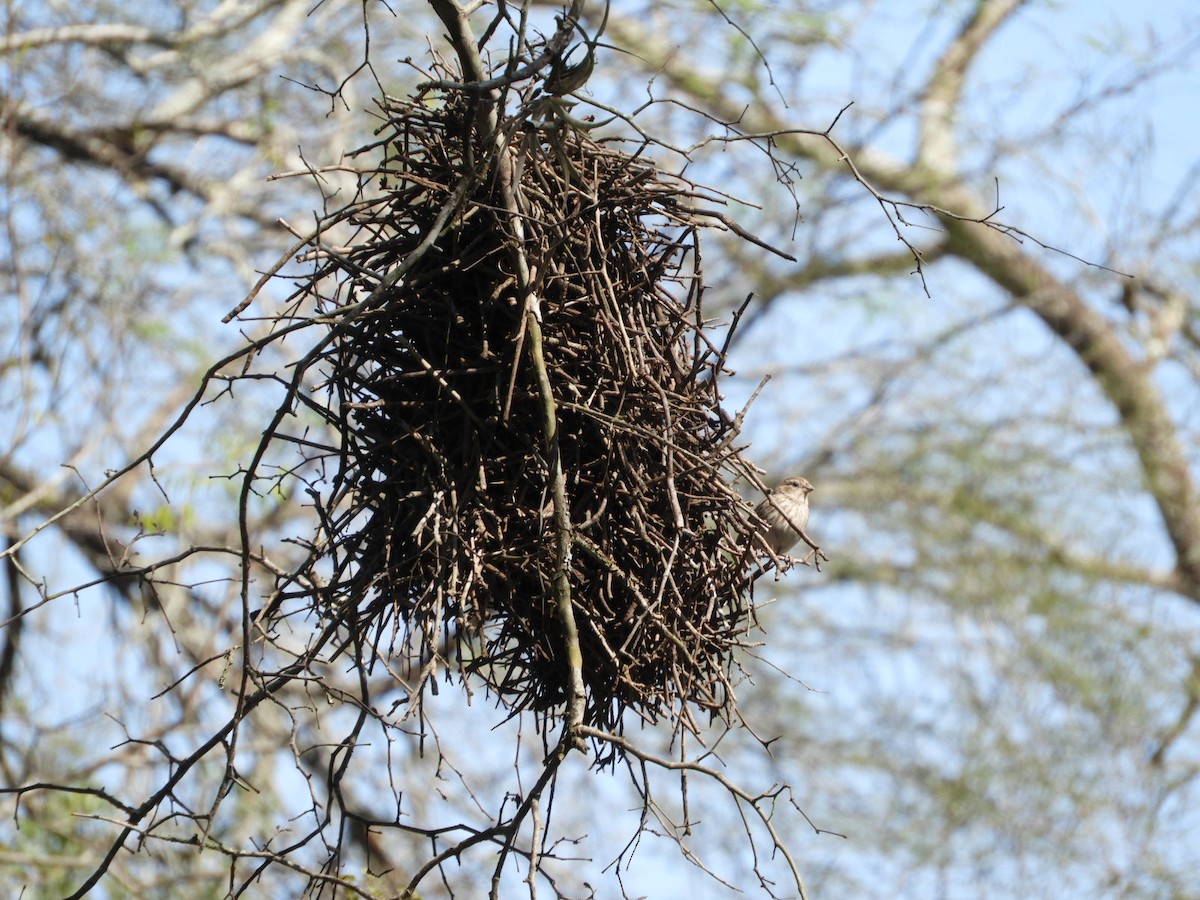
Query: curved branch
{"points": [[943, 93], [92, 34], [1127, 385]]}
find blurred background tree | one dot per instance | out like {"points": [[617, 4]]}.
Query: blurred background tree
{"points": [[990, 687]]}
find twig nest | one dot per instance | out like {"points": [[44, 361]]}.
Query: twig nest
{"points": [[439, 535]]}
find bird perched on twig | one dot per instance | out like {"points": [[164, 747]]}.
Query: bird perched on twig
{"points": [[785, 512], [564, 79]]}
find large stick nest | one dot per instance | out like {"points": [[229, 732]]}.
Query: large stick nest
{"points": [[439, 541]]}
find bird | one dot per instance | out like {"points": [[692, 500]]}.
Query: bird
{"points": [[564, 79], [785, 513]]}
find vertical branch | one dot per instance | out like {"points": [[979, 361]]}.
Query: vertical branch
{"points": [[562, 528], [15, 621], [456, 20]]}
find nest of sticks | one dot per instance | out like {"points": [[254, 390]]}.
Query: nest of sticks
{"points": [[441, 541]]}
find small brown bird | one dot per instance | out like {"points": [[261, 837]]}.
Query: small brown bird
{"points": [[785, 512]]}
